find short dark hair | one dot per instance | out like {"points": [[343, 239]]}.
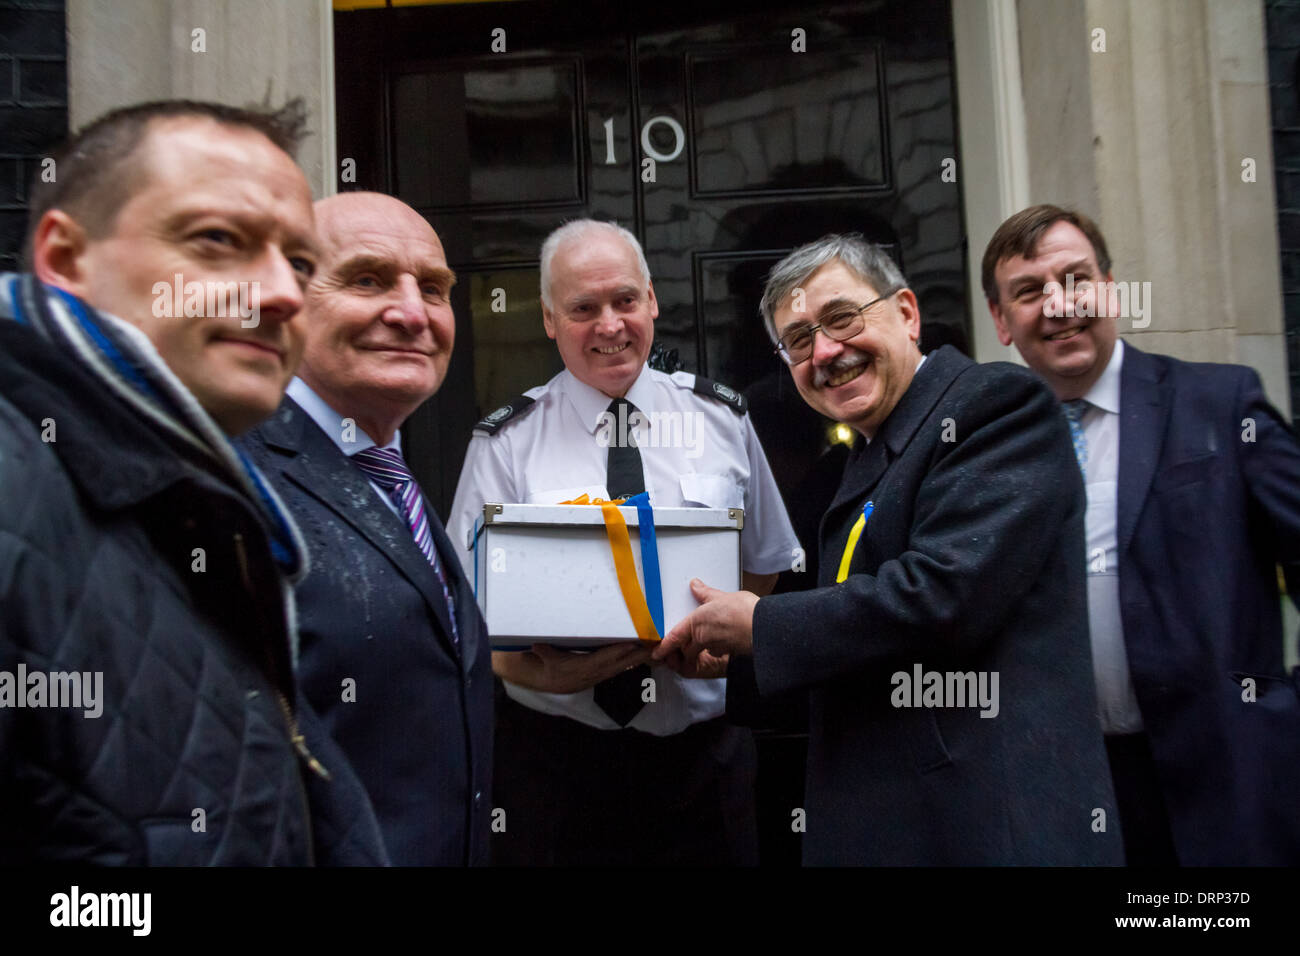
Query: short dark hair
{"points": [[866, 260], [93, 178], [1019, 236]]}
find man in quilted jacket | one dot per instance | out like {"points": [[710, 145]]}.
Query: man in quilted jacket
{"points": [[148, 706]]}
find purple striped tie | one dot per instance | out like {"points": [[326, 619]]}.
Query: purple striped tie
{"points": [[385, 467]]}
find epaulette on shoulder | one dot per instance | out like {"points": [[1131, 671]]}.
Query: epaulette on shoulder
{"points": [[718, 392], [494, 421]]}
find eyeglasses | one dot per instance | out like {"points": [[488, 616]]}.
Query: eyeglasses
{"points": [[796, 346]]}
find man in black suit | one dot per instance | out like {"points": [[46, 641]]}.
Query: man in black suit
{"points": [[394, 652], [1193, 484], [946, 650]]}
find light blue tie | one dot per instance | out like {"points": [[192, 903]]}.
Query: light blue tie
{"points": [[1074, 415]]}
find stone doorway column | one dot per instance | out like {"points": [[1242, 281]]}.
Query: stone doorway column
{"points": [[231, 51]]}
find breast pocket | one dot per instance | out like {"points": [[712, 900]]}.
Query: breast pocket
{"points": [[1189, 472], [712, 491], [553, 496]]}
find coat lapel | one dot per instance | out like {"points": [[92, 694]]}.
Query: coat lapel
{"points": [[462, 592], [314, 463], [1144, 404], [862, 472]]}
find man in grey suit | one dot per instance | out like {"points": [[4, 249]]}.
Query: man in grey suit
{"points": [[394, 652]]}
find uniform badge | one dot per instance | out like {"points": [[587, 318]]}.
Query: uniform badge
{"points": [[722, 393], [493, 421]]}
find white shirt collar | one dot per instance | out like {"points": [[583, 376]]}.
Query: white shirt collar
{"points": [[590, 403], [1105, 391], [331, 422]]}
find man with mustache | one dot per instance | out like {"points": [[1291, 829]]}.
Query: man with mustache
{"points": [[1193, 483], [394, 652], [137, 547], [593, 769], [949, 562]]}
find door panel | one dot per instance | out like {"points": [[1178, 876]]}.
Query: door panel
{"points": [[511, 355], [763, 123], [477, 137], [781, 148]]}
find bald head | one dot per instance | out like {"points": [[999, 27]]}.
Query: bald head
{"points": [[380, 328], [339, 217]]}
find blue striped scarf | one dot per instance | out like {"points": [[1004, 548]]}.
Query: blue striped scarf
{"points": [[124, 359]]}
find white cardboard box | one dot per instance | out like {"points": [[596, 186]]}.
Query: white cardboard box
{"points": [[545, 573]]}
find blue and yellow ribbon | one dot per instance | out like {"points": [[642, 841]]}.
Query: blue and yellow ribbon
{"points": [[854, 534], [647, 615]]}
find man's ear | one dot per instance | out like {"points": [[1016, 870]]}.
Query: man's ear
{"points": [[548, 321], [1004, 331], [57, 250], [654, 303], [910, 311]]}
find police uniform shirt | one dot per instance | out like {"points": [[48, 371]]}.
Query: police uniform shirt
{"points": [[704, 453]]}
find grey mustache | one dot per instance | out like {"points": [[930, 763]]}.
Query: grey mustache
{"points": [[841, 364]]}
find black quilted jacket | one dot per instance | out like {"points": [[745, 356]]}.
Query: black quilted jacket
{"points": [[191, 760]]}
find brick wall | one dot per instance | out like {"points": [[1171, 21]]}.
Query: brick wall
{"points": [[33, 107], [1283, 36]]}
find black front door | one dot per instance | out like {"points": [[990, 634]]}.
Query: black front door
{"points": [[722, 134]]}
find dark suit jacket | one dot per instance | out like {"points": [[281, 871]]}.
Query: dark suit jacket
{"points": [[973, 561], [1204, 518], [419, 731]]}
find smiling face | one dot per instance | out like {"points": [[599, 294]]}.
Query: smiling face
{"points": [[380, 328], [1069, 351], [602, 312], [859, 381], [214, 204]]}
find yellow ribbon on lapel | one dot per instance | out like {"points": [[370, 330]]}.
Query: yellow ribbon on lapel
{"points": [[854, 534], [620, 546]]}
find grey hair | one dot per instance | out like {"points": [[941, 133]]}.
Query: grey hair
{"points": [[578, 229], [866, 260]]}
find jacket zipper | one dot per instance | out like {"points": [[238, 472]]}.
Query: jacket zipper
{"points": [[295, 735], [291, 720]]}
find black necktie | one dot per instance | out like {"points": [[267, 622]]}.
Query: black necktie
{"points": [[624, 476], [620, 695]]}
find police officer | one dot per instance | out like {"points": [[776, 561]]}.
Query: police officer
{"points": [[588, 771]]}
